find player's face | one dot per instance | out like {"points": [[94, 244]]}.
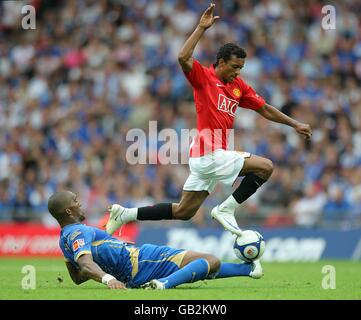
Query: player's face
{"points": [[231, 69], [75, 207]]}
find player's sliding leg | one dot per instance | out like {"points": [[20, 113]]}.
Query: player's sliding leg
{"points": [[193, 267], [226, 270], [194, 271], [200, 269], [184, 210], [256, 170]]}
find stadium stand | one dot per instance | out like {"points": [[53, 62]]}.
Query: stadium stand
{"points": [[71, 89]]}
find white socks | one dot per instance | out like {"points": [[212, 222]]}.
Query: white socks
{"points": [[130, 214], [230, 203]]}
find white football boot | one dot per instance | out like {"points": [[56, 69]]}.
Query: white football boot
{"points": [[257, 271], [154, 284], [226, 218], [116, 218]]}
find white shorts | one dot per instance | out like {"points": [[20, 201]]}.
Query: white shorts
{"points": [[218, 166]]}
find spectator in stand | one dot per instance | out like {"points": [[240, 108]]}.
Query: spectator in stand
{"points": [[336, 208], [307, 210]]}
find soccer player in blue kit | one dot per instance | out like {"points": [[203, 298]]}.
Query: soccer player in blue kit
{"points": [[91, 253]]}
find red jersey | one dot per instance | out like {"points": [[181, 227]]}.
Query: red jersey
{"points": [[216, 103]]}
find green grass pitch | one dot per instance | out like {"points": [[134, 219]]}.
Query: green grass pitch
{"points": [[282, 281]]}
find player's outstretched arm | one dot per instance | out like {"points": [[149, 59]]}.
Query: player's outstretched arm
{"points": [[75, 274], [90, 270], [185, 55], [273, 114]]}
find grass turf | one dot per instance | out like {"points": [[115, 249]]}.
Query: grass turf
{"points": [[282, 281]]}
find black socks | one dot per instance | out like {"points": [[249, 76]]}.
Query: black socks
{"points": [[159, 211], [248, 186]]}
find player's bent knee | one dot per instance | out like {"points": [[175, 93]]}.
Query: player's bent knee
{"points": [[214, 263], [267, 167]]}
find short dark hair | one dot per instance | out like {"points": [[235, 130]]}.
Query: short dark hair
{"points": [[226, 51], [58, 202]]}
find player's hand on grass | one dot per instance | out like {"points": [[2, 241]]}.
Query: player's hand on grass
{"points": [[115, 284], [207, 18], [303, 129]]}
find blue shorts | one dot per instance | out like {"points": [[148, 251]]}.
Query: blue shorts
{"points": [[155, 262]]}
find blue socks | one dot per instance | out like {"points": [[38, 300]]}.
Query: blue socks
{"points": [[194, 271], [199, 269], [232, 270]]}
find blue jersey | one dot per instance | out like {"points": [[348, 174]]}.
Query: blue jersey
{"points": [[111, 254], [130, 264]]}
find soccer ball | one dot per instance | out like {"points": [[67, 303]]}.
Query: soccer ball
{"points": [[249, 246]]}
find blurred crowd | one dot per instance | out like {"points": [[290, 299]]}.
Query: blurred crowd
{"points": [[71, 89]]}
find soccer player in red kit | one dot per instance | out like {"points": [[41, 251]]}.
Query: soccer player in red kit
{"points": [[218, 92]]}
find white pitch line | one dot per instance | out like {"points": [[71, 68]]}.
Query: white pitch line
{"points": [[356, 256]]}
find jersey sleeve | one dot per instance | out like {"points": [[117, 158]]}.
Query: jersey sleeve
{"points": [[80, 241], [196, 75], [66, 252], [250, 99]]}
